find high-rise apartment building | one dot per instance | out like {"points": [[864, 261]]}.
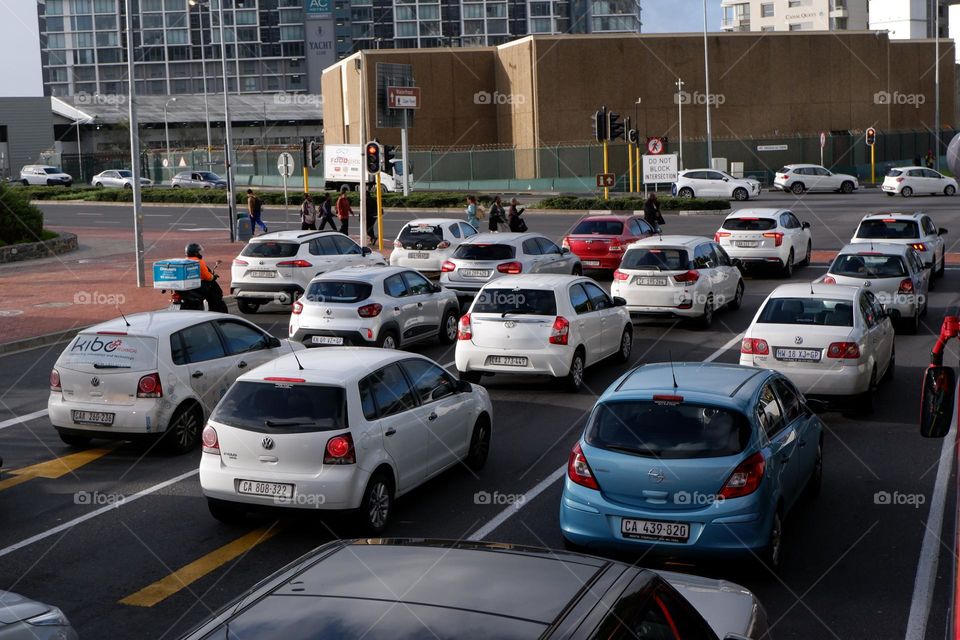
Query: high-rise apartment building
{"points": [[909, 19], [794, 15]]}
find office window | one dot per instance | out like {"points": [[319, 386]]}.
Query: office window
{"points": [[540, 25], [497, 11], [406, 29], [82, 23], [56, 57], [429, 12], [472, 27], [54, 7], [838, 24], [766, 10], [152, 5], [83, 56], [496, 26], [471, 11], [177, 36], [108, 39], [58, 75], [84, 74], [177, 5], [105, 22], [152, 21], [81, 6], [250, 84], [176, 20], [796, 27], [770, 28], [291, 16], [539, 9], [406, 13], [110, 55], [56, 41], [291, 33], [152, 38], [105, 6], [54, 24], [793, 3], [246, 17]]}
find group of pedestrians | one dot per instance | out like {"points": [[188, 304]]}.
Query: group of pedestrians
{"points": [[500, 219], [311, 214]]}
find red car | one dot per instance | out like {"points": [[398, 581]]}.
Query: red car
{"points": [[599, 241]]}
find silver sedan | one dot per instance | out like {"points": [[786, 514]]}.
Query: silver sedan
{"points": [[25, 619], [118, 179]]}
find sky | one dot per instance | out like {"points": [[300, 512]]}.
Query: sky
{"points": [[679, 16]]}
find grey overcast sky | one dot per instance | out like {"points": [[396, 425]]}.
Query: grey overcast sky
{"points": [[678, 16]]}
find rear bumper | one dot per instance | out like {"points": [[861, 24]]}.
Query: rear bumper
{"points": [[282, 292], [351, 337], [144, 416], [847, 380], [555, 362], [605, 262]]}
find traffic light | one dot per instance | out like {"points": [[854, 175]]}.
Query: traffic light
{"points": [[314, 154], [614, 126], [871, 136], [304, 155], [373, 157], [626, 128], [633, 136], [389, 154], [600, 125]]}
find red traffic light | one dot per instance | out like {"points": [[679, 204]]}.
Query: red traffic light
{"points": [[372, 149], [871, 136]]}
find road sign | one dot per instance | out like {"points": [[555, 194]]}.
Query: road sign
{"points": [[166, 162], [606, 180], [656, 146], [403, 97], [772, 147], [660, 168], [823, 140], [285, 164]]}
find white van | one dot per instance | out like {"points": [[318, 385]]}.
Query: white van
{"points": [[44, 174]]}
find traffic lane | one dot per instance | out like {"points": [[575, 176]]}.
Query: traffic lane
{"points": [[25, 381]]}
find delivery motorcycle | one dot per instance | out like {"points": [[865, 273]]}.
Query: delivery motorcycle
{"points": [[193, 299]]}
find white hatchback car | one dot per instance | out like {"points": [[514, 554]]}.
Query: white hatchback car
{"points": [[154, 374], [912, 229], [425, 243], [711, 183], [118, 179], [42, 174], [677, 277], [798, 178], [760, 237], [387, 307], [830, 340], [344, 428], [278, 266], [544, 325], [907, 181]]}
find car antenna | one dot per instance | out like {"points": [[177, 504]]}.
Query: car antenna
{"points": [[294, 352], [125, 321], [672, 372]]}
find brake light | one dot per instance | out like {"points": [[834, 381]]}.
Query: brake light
{"points": [[444, 244], [578, 470], [906, 286], [397, 244], [510, 267], [746, 478], [899, 179], [240, 263], [620, 275], [447, 267], [211, 444], [565, 243], [615, 246], [844, 350], [777, 237], [55, 380], [149, 386], [464, 329], [754, 346], [720, 234], [176, 298], [370, 310], [919, 246], [829, 280], [560, 331], [340, 450], [689, 277], [297, 308], [889, 220], [300, 264], [667, 399], [279, 379]]}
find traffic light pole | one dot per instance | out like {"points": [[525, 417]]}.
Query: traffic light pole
{"points": [[406, 158], [873, 166], [606, 190], [637, 181], [379, 215], [630, 163]]}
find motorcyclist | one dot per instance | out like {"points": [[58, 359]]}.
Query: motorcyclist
{"points": [[209, 288]]}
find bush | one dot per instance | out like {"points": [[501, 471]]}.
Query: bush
{"points": [[629, 204], [20, 221]]}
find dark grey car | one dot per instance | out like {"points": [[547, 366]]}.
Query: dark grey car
{"points": [[198, 180], [24, 619]]}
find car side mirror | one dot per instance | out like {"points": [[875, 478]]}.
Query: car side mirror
{"points": [[464, 387], [937, 401], [942, 232], [366, 251], [274, 342], [804, 225], [726, 179], [619, 302], [736, 262], [564, 250]]}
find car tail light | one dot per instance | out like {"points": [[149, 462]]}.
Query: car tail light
{"points": [[370, 310], [510, 267], [340, 450], [844, 350], [899, 179], [919, 246], [560, 331], [211, 444], [615, 246], [464, 329], [55, 380], [240, 263], [746, 478], [720, 234], [444, 244], [755, 346], [397, 244], [689, 277], [447, 267], [829, 280], [300, 264], [578, 470], [149, 386], [176, 298], [777, 237], [297, 308], [906, 286], [620, 275], [565, 243]]}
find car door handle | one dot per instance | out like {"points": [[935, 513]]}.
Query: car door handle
{"points": [[242, 365], [197, 374], [397, 309], [389, 432], [432, 416], [419, 305]]}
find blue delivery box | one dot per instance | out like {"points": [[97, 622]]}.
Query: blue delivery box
{"points": [[179, 274]]}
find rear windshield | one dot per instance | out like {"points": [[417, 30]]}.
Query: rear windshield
{"points": [[655, 429], [484, 252], [270, 249], [893, 173], [92, 351], [282, 407], [749, 224], [869, 266], [533, 302], [420, 231], [888, 229], [783, 170], [656, 259], [831, 313], [600, 227], [337, 291]]}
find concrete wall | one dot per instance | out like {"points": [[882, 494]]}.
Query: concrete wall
{"points": [[29, 123]]}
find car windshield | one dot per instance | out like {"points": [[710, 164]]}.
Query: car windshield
{"points": [[869, 266], [125, 174], [96, 351], [598, 227], [207, 175], [811, 311], [471, 251], [656, 259], [270, 249], [282, 407], [535, 302], [888, 229], [668, 429], [414, 232], [338, 291], [53, 170], [749, 224]]}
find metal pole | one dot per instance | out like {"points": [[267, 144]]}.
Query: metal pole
{"points": [[630, 164], [706, 75], [79, 148], [379, 215], [403, 152], [680, 123], [206, 110], [166, 133], [637, 154], [363, 159], [873, 172], [286, 205], [134, 150], [936, 88], [227, 141], [606, 190]]}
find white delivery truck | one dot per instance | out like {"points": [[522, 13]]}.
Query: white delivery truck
{"points": [[341, 166]]}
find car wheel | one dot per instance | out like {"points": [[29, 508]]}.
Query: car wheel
{"points": [[50, 183], [473, 377], [577, 270], [846, 187], [127, 185], [25, 183], [479, 445], [864, 402], [797, 188], [815, 482], [787, 269], [890, 194], [183, 432], [626, 346], [943, 266], [740, 194], [387, 340], [377, 504], [906, 192], [226, 512], [888, 374], [448, 327], [74, 440], [737, 297], [246, 306], [806, 259], [950, 190], [705, 321], [98, 185], [686, 192], [774, 550], [174, 186], [573, 381]]}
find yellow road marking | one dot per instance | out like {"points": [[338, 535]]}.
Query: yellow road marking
{"points": [[188, 574], [53, 469]]}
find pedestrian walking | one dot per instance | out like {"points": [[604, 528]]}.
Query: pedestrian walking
{"points": [[651, 212], [344, 211], [255, 209], [372, 215], [498, 215], [516, 224], [930, 160], [325, 211], [308, 214], [472, 212]]}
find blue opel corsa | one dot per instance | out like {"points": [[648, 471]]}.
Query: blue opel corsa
{"points": [[692, 460]]}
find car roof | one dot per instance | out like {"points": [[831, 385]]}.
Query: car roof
{"points": [[155, 323], [499, 238], [610, 216], [813, 291], [328, 365], [431, 221], [687, 241], [875, 247], [361, 272], [910, 166], [293, 235], [534, 281], [759, 212], [803, 164], [896, 215], [702, 381]]}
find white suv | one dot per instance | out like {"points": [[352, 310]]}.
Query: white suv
{"points": [[277, 267], [388, 307], [710, 183], [798, 178], [760, 237], [551, 325], [914, 229], [45, 175], [340, 429]]}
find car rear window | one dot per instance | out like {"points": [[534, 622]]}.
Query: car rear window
{"points": [[52, 170], [656, 259], [893, 173], [338, 291], [282, 407], [598, 227], [96, 352], [471, 251], [888, 229], [783, 170], [810, 311], [535, 302], [668, 429], [415, 232], [869, 266], [749, 224], [270, 249]]}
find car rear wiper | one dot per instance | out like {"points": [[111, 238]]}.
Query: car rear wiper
{"points": [[291, 423], [512, 311], [110, 366], [644, 451]]}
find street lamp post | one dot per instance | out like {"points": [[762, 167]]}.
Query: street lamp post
{"points": [[134, 148], [228, 142], [706, 75], [936, 87], [166, 130], [203, 61], [79, 148], [639, 172], [680, 123]]}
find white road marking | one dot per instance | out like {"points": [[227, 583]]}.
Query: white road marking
{"points": [[541, 486], [157, 215], [12, 422], [96, 512], [89, 214]]}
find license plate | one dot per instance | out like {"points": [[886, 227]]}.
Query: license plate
{"points": [[475, 273], [799, 355], [418, 255], [326, 340], [509, 361], [92, 417], [271, 489], [651, 282], [262, 274], [591, 263], [746, 244], [655, 530]]}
